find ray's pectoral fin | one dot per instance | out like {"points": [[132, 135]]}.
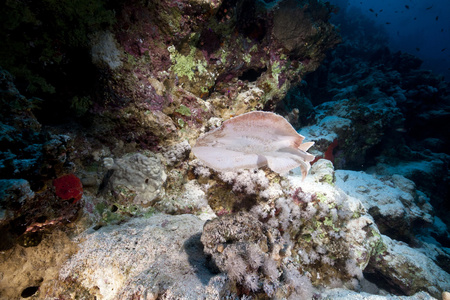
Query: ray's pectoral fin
{"points": [[281, 165], [286, 159], [222, 159], [261, 161], [306, 146]]}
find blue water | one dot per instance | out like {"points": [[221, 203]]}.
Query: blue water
{"points": [[418, 27]]}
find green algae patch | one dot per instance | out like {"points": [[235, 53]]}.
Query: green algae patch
{"points": [[186, 65], [184, 110]]}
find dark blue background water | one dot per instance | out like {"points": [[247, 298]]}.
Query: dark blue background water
{"points": [[418, 27]]}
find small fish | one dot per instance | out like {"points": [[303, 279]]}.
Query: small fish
{"points": [[376, 15], [442, 29], [388, 23], [407, 7], [415, 18], [380, 10], [371, 10], [417, 49], [437, 18], [430, 7], [443, 49]]}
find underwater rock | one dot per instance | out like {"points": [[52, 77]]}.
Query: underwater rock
{"points": [[38, 267], [13, 194], [231, 54], [433, 166], [157, 256], [358, 127], [344, 294], [296, 35], [104, 50], [323, 171], [140, 177], [191, 199], [254, 140], [327, 130], [20, 132], [406, 270], [392, 202]]}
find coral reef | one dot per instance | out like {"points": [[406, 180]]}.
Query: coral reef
{"points": [[245, 249], [29, 160], [326, 238], [386, 112], [104, 193]]}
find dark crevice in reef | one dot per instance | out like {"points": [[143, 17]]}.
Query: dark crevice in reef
{"points": [[29, 291], [383, 283], [252, 75]]}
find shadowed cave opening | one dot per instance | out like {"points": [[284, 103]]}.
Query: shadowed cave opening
{"points": [[383, 283], [29, 291], [252, 75]]}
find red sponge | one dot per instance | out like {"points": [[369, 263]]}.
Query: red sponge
{"points": [[68, 187]]}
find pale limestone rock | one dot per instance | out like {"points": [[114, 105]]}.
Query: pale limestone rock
{"points": [[410, 270], [141, 174], [391, 200], [323, 171], [157, 256], [104, 50]]}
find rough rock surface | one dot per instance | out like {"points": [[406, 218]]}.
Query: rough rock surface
{"points": [[160, 256], [13, 193], [345, 120], [408, 270], [392, 201], [343, 294], [141, 175], [22, 268]]}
